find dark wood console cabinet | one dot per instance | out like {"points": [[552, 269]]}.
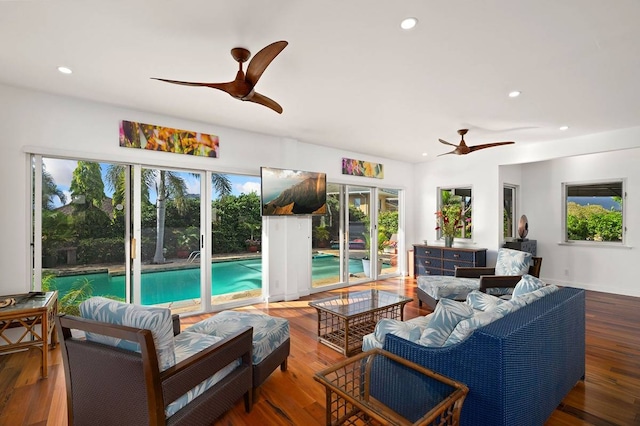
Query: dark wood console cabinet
{"points": [[530, 246], [440, 260]]}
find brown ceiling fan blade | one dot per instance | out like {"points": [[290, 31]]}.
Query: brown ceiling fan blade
{"points": [[447, 143], [225, 87], [184, 83], [488, 145], [261, 61], [450, 152], [263, 100]]}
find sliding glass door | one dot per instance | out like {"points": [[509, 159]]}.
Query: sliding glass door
{"points": [[170, 239], [80, 229]]}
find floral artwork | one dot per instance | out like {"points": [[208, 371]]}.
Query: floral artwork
{"points": [[362, 168], [157, 138]]}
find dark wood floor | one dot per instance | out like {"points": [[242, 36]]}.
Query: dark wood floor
{"points": [[610, 394]]}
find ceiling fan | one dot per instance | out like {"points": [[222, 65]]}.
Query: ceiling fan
{"points": [[243, 87], [463, 149]]}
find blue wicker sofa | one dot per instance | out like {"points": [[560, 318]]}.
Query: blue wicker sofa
{"points": [[518, 368]]}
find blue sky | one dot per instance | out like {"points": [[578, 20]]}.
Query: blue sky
{"points": [[62, 171]]}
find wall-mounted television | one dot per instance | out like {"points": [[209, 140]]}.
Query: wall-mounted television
{"points": [[293, 192]]}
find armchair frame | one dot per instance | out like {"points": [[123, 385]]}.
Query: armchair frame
{"points": [[114, 386], [488, 279]]}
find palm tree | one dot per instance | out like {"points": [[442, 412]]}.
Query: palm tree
{"points": [[50, 191], [169, 186]]}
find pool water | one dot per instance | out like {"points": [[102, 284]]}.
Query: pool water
{"points": [[183, 284]]}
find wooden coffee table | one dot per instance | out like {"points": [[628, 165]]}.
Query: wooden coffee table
{"points": [[344, 319]]}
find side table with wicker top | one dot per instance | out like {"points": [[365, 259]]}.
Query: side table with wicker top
{"points": [[380, 388]]}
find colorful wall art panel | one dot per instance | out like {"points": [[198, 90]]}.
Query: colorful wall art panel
{"points": [[362, 168], [158, 138]]}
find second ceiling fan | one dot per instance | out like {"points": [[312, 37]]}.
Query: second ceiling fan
{"points": [[463, 149]]}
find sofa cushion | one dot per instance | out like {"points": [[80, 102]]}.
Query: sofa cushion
{"points": [[482, 301], [446, 316], [467, 326], [405, 329], [188, 344], [157, 320], [512, 262], [507, 307], [527, 284], [410, 329]]}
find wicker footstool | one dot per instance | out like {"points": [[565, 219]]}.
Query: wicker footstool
{"points": [[271, 343]]}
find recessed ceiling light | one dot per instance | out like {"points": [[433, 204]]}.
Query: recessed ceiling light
{"points": [[514, 94], [65, 70], [563, 128], [424, 154], [408, 23]]}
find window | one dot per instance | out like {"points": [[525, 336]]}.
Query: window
{"points": [[509, 211], [457, 196], [594, 211]]}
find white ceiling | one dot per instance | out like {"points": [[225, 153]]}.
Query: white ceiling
{"points": [[350, 77]]}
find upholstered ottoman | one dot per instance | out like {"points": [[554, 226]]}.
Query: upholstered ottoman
{"points": [[270, 338], [432, 288]]}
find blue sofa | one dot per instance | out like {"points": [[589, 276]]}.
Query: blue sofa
{"points": [[518, 368]]}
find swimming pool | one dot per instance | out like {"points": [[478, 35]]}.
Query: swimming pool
{"points": [[183, 284]]}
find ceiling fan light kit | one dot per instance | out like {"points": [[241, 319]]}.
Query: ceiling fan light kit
{"points": [[463, 149], [243, 87]]}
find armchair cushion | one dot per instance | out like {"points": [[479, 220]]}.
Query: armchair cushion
{"points": [[268, 332], [446, 316], [158, 320], [188, 344], [512, 262]]}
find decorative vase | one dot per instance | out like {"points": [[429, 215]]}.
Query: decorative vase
{"points": [[448, 240]]}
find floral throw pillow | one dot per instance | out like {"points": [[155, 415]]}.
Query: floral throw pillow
{"points": [[446, 316]]}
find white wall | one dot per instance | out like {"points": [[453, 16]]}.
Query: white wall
{"points": [[62, 126], [539, 174], [594, 267]]}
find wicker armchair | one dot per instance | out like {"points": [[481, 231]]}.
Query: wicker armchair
{"points": [[488, 279], [110, 385]]}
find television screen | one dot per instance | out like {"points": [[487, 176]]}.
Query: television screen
{"points": [[292, 192]]}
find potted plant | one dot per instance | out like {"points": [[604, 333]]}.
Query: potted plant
{"points": [[321, 235], [188, 241], [366, 261], [252, 245], [449, 219]]}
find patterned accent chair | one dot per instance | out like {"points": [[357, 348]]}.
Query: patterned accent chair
{"points": [[124, 365], [500, 280]]}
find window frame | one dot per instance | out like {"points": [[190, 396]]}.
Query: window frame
{"points": [[565, 195], [514, 211]]}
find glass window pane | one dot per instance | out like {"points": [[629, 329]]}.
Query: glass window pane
{"points": [[455, 211], [236, 225], [594, 212]]}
